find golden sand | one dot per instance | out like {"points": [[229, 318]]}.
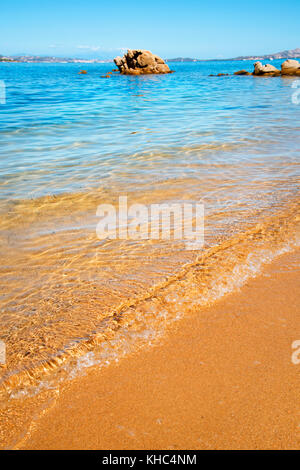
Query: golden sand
{"points": [[220, 378]]}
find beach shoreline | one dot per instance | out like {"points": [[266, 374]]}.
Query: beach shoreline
{"points": [[220, 378]]}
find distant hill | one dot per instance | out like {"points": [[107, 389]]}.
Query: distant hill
{"points": [[5, 59], [47, 59], [291, 54], [182, 59]]}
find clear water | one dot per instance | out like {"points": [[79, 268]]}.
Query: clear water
{"points": [[64, 132]]}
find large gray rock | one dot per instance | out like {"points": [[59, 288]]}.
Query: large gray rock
{"points": [[138, 61], [290, 67], [268, 69]]}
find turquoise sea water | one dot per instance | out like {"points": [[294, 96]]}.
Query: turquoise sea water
{"points": [[63, 132]]}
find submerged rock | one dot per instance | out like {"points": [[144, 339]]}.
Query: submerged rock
{"points": [[242, 72], [290, 67], [268, 69], [138, 61]]}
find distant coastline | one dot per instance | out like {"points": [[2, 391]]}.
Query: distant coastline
{"points": [[51, 60], [288, 54]]}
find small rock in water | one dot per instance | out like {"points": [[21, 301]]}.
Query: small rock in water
{"points": [[242, 72]]}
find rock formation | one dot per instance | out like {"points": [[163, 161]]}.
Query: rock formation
{"points": [[290, 67], [137, 62], [242, 72], [268, 69]]}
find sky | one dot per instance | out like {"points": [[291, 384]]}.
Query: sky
{"points": [[189, 28]]}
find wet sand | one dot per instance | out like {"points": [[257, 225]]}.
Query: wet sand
{"points": [[220, 378]]}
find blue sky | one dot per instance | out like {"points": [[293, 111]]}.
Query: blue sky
{"points": [[195, 28]]}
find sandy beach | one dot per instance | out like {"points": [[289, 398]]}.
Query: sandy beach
{"points": [[220, 378]]}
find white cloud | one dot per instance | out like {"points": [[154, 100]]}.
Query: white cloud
{"points": [[90, 48]]}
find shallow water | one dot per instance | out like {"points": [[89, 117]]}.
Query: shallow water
{"points": [[70, 142]]}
